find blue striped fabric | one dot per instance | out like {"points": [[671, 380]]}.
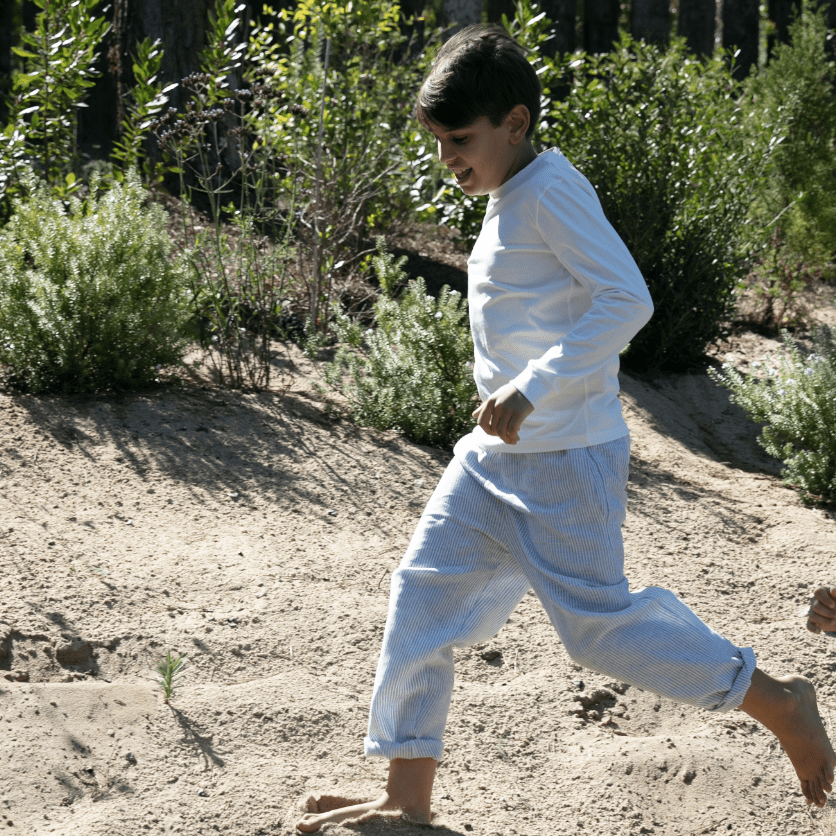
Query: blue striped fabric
{"points": [[499, 524]]}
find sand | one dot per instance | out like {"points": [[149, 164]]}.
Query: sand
{"points": [[257, 535]]}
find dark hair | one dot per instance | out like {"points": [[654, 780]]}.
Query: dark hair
{"points": [[480, 71]]}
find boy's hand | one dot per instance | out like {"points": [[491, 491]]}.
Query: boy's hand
{"points": [[822, 614], [503, 412]]}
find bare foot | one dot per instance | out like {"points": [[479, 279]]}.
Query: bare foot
{"points": [[408, 790], [822, 614], [787, 707], [343, 809]]}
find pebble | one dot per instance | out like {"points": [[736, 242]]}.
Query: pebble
{"points": [[17, 676], [203, 793], [130, 758]]}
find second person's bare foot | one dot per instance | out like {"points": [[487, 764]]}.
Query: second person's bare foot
{"points": [[821, 616]]}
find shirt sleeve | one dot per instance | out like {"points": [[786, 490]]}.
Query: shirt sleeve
{"points": [[570, 218]]}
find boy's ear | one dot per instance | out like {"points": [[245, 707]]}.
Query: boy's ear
{"points": [[518, 120]]}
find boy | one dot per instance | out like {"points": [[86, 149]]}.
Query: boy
{"points": [[535, 495]]}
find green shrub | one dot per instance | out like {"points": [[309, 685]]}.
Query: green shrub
{"points": [[413, 372], [344, 80], [657, 132], [794, 396], [793, 98], [58, 60], [241, 255], [89, 297]]}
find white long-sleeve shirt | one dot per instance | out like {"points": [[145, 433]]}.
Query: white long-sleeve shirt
{"points": [[554, 296]]}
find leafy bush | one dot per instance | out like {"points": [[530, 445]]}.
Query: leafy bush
{"points": [[772, 297], [344, 79], [414, 374], [240, 254], [793, 98], [58, 69], [89, 298], [794, 396], [657, 132], [144, 101]]}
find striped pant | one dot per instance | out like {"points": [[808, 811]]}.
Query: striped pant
{"points": [[499, 524]]}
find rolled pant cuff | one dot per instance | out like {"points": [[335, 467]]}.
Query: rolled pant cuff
{"points": [[409, 749], [741, 682]]}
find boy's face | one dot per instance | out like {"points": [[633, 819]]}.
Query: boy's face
{"points": [[483, 156]]}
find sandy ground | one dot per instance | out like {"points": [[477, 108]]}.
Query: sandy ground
{"points": [[257, 535]]}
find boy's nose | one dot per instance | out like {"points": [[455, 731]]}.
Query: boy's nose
{"points": [[445, 152]]}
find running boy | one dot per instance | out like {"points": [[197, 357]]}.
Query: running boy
{"points": [[535, 495]]}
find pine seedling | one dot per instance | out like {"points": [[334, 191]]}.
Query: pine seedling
{"points": [[170, 670]]}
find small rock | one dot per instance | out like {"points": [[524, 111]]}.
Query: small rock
{"points": [[490, 655], [332, 512], [203, 793], [579, 684], [75, 652], [130, 758], [17, 676]]}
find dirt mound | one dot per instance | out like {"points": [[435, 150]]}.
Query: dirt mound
{"points": [[257, 535]]}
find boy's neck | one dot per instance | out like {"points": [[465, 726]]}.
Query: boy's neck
{"points": [[525, 157]]}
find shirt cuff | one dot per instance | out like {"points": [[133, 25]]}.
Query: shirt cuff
{"points": [[531, 384]]}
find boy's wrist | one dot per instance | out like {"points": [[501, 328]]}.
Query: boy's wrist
{"points": [[531, 385]]}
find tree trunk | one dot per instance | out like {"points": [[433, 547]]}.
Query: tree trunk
{"points": [[781, 13], [696, 24], [497, 8], [650, 20], [461, 13], [562, 14], [600, 25], [98, 123], [830, 17], [180, 25], [412, 24], [7, 41], [741, 27]]}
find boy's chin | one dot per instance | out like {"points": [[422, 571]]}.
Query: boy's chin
{"points": [[470, 190]]}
